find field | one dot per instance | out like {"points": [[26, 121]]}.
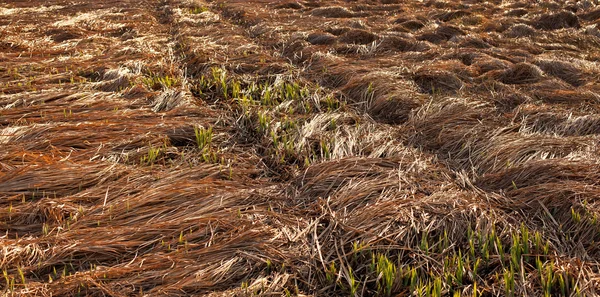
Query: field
{"points": [[311, 148]]}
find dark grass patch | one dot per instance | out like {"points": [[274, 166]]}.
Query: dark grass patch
{"points": [[401, 44], [290, 5], [520, 30], [519, 12], [337, 31], [442, 33], [437, 81], [332, 12], [410, 25], [321, 38], [12, 47], [558, 20], [61, 35], [563, 70], [447, 16], [471, 42], [358, 36]]}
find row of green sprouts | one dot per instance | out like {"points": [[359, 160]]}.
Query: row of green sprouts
{"points": [[155, 154], [271, 112], [486, 264], [269, 93]]}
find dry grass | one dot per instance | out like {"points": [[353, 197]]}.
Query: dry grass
{"points": [[563, 70], [522, 73], [520, 30], [358, 36], [437, 81], [332, 12], [559, 20], [299, 148]]}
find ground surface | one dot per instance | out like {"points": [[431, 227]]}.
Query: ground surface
{"points": [[324, 148]]}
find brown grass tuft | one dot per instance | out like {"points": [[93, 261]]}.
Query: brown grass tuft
{"points": [[326, 178], [332, 12], [563, 70], [114, 80], [504, 97], [321, 38], [565, 96], [447, 126], [358, 36], [550, 122], [59, 35], [331, 71], [437, 82], [448, 31], [522, 73], [508, 149], [558, 20], [591, 16], [169, 99], [486, 64], [447, 16], [441, 33], [519, 12], [293, 50], [471, 42], [520, 30], [337, 31], [290, 5], [384, 96], [395, 109], [401, 44], [538, 173], [411, 25]]}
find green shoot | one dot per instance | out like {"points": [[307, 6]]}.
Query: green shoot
{"points": [[198, 10], [203, 137]]}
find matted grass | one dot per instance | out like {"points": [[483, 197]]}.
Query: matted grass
{"points": [[299, 148]]}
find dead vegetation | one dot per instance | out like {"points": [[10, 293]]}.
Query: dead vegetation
{"points": [[520, 30], [299, 148], [521, 73], [332, 12], [557, 20], [563, 70], [358, 36], [432, 81]]}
